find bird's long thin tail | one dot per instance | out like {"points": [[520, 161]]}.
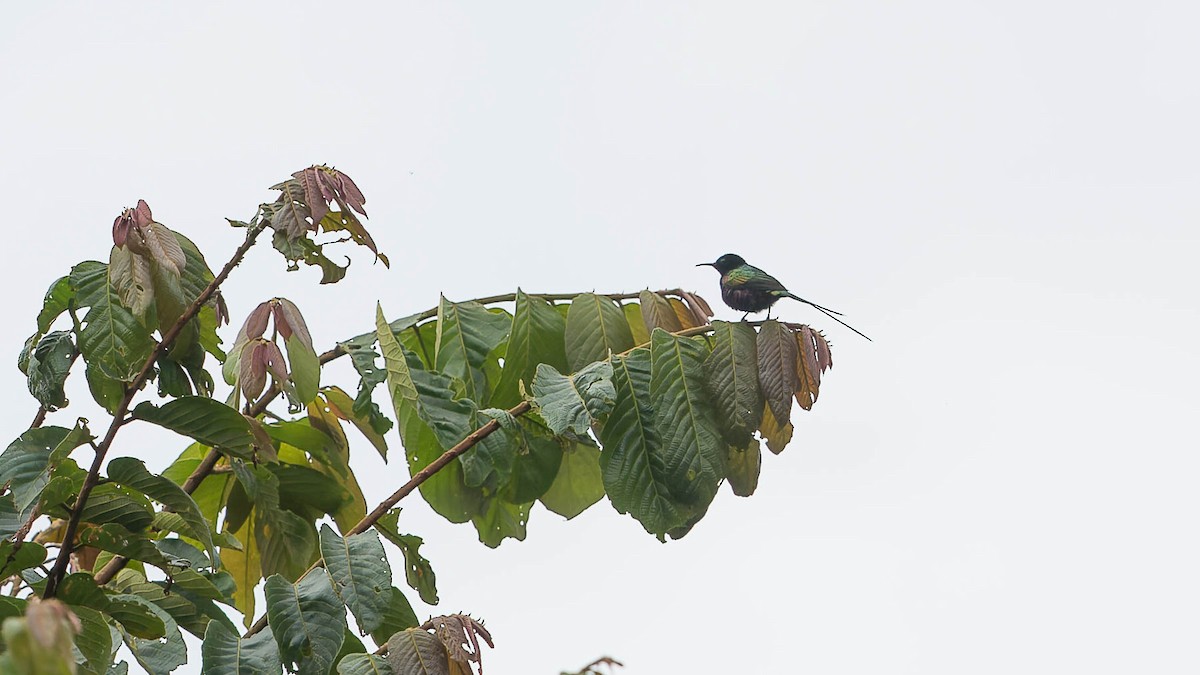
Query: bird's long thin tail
{"points": [[827, 312]]}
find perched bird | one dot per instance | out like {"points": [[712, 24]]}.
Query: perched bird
{"points": [[748, 289]]}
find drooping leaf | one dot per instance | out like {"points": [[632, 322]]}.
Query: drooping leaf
{"points": [[112, 339], [308, 620], [287, 541], [536, 337], [657, 312], [48, 367], [105, 390], [136, 616], [634, 470], [361, 576], [132, 473], [812, 359], [595, 327], [731, 372], [572, 403], [245, 566], [693, 452], [115, 538], [110, 503], [417, 570], [210, 422], [775, 434], [79, 588], [637, 323], [226, 653], [129, 273], [467, 333], [490, 462], [95, 640], [417, 652], [744, 466], [430, 422], [306, 369], [539, 455], [777, 354], [16, 557], [58, 299], [579, 483], [26, 464], [499, 520], [182, 610], [159, 656], [369, 421], [684, 314]]}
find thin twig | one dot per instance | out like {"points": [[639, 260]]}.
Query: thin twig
{"points": [[131, 390]]}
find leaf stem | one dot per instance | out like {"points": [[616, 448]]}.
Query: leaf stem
{"points": [[131, 390]]}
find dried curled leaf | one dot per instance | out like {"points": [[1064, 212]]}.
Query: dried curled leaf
{"points": [[460, 634]]}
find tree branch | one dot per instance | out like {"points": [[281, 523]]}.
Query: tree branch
{"points": [[119, 419]]}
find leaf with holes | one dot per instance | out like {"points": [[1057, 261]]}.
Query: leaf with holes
{"points": [[360, 572], [417, 570], [467, 333], [163, 655], [417, 652], [48, 367], [26, 464], [308, 620]]}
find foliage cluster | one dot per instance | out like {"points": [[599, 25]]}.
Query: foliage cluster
{"points": [[498, 403]]}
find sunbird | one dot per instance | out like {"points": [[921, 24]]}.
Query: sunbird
{"points": [[748, 289]]}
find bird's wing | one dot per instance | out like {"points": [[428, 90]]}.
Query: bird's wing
{"points": [[752, 279]]}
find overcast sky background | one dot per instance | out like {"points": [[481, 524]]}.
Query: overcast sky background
{"points": [[1002, 194]]}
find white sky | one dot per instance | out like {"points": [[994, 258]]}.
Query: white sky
{"points": [[1002, 194]]}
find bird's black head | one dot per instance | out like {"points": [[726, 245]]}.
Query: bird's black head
{"points": [[725, 263]]}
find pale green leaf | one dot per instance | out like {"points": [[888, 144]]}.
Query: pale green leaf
{"points": [[360, 572]]}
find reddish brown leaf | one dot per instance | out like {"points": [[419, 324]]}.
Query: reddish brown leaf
{"points": [[460, 634], [313, 197], [252, 375], [141, 215], [657, 312], [698, 306], [350, 192], [808, 372], [256, 321], [289, 320], [121, 227]]}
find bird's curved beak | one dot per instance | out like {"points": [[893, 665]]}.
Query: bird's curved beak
{"points": [[706, 264]]}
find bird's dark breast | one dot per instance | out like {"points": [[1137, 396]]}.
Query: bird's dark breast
{"points": [[747, 300]]}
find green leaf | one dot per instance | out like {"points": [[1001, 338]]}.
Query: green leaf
{"points": [[490, 462], [637, 323], [466, 335], [245, 566], [417, 652], [572, 403], [95, 641], [109, 503], [536, 337], [138, 617], [195, 278], [364, 664], [79, 588], [89, 281], [286, 542], [162, 655], [210, 422], [361, 576], [49, 364], [777, 354], [210, 495], [537, 462], [596, 327], [112, 337], [417, 570], [180, 608], [226, 653], [58, 299], [693, 453], [105, 390], [306, 490], [578, 484], [27, 462], [501, 520], [634, 469], [16, 557], [308, 620], [731, 372], [305, 368], [430, 422], [370, 422], [132, 473], [744, 466], [11, 519]]}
